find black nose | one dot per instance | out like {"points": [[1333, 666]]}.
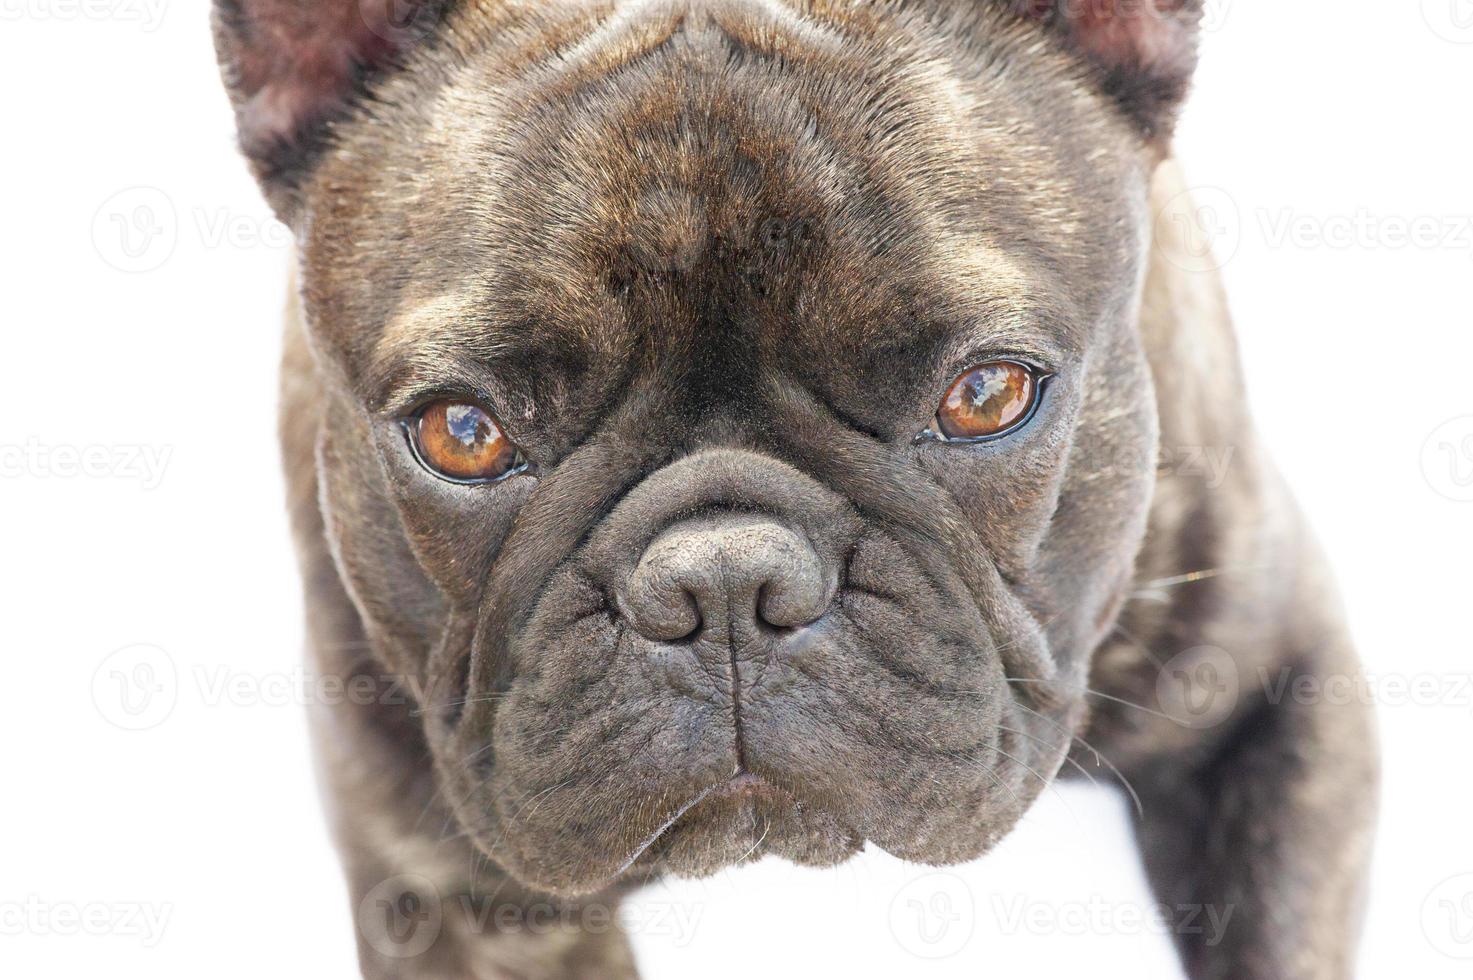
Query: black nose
{"points": [[724, 578]]}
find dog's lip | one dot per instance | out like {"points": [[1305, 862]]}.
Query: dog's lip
{"points": [[748, 785], [740, 785]]}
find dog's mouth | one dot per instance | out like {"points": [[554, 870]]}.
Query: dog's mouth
{"points": [[708, 720], [739, 820]]}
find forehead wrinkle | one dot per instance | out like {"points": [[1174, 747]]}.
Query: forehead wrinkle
{"points": [[936, 147], [428, 317], [462, 324], [1004, 326], [773, 28], [1003, 293], [628, 33], [973, 259], [437, 340]]}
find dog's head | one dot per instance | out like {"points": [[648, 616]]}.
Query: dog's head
{"points": [[734, 407]]}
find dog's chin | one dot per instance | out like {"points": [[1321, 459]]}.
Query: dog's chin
{"points": [[741, 821]]}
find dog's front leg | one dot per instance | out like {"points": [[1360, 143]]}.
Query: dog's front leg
{"points": [[408, 930], [1258, 849]]}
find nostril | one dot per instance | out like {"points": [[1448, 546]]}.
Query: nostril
{"points": [[664, 614], [773, 616], [798, 597], [761, 614], [698, 622], [726, 576]]}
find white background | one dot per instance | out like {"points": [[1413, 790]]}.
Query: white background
{"points": [[1317, 127]]}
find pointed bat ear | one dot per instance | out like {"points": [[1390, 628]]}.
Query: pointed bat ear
{"points": [[293, 67], [1143, 52]]}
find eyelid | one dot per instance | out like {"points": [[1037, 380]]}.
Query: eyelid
{"points": [[1039, 363], [1035, 337], [412, 403], [402, 389]]}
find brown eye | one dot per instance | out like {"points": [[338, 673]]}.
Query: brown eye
{"points": [[461, 442], [989, 400]]}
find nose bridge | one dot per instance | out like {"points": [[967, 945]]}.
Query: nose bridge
{"points": [[725, 576], [718, 482]]}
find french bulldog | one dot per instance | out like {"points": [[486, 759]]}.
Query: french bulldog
{"points": [[728, 428]]}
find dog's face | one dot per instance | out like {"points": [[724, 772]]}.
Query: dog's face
{"points": [[734, 408]]}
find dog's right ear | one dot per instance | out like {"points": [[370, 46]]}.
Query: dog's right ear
{"points": [[1142, 53], [294, 67]]}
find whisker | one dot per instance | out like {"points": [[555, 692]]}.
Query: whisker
{"points": [[1052, 748], [459, 702], [766, 829], [478, 753], [999, 781], [516, 816], [429, 804], [1156, 589], [1047, 784], [1130, 638], [1099, 694], [1100, 757]]}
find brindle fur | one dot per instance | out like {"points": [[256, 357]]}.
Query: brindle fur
{"points": [[725, 255]]}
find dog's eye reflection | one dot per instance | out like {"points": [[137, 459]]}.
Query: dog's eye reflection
{"points": [[461, 442], [988, 401]]}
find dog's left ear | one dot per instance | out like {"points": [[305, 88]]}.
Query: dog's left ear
{"points": [[1142, 52], [295, 66]]}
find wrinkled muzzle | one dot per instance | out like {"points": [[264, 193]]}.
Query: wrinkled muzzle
{"points": [[736, 662]]}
